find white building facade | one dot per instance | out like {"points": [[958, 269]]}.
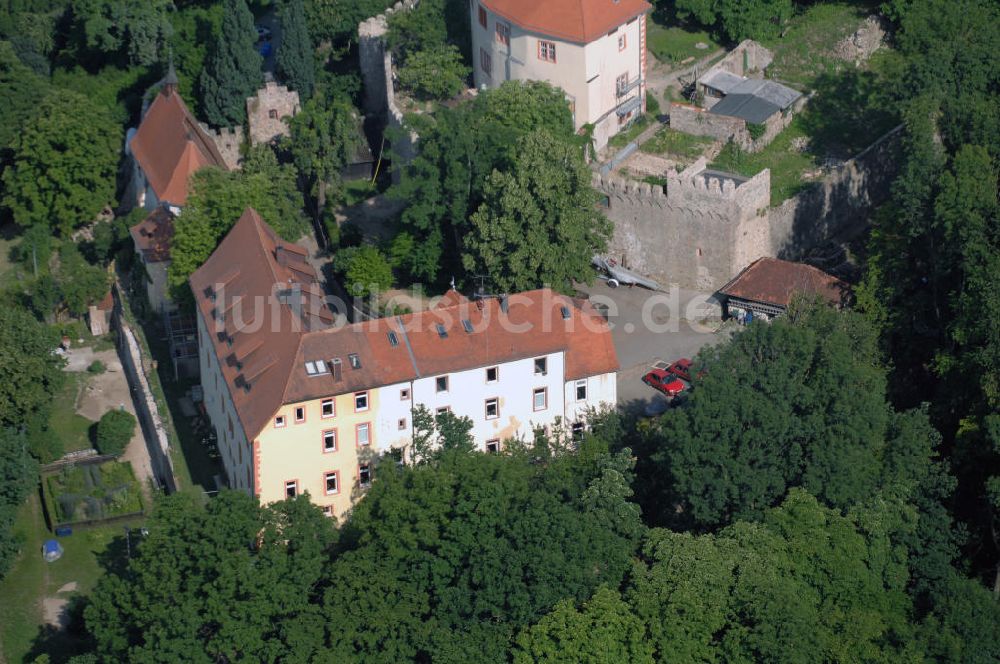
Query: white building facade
{"points": [[594, 50]]}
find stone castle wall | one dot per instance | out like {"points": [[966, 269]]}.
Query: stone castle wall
{"points": [[228, 140], [375, 60], [700, 230]]}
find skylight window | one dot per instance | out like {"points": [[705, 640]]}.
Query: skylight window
{"points": [[443, 333], [565, 312], [354, 360], [393, 339], [467, 324], [316, 368]]}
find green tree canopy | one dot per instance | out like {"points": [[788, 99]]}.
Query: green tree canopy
{"points": [[295, 58], [232, 72], [805, 585], [64, 164], [434, 73], [366, 271], [324, 137], [538, 223], [736, 19], [485, 545], [134, 32], [232, 581], [114, 431], [18, 476], [21, 90], [217, 200], [459, 149], [30, 373], [604, 630], [797, 402]]}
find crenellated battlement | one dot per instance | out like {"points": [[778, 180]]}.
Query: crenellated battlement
{"points": [[228, 140]]}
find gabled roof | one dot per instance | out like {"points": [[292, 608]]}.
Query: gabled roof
{"points": [[774, 281], [170, 146], [153, 234], [264, 350], [580, 21], [248, 294]]}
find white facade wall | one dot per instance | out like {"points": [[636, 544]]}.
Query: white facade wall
{"points": [[393, 410], [588, 73], [601, 392], [234, 446], [468, 392]]}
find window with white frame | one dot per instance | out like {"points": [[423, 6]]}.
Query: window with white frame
{"points": [[332, 482], [541, 366], [581, 390], [300, 414], [546, 51], [540, 398], [364, 433], [330, 440], [327, 409], [328, 510], [492, 408], [291, 488], [360, 401], [279, 421], [493, 446], [492, 374]]}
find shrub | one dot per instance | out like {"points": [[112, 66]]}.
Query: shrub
{"points": [[366, 271], [756, 130], [97, 367], [652, 105], [114, 430]]}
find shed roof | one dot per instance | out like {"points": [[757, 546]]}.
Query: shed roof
{"points": [[153, 234], [580, 21], [775, 281], [722, 80], [756, 100]]}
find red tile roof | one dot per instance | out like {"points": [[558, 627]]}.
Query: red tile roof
{"points": [[256, 340], [153, 234], [170, 146], [580, 21], [774, 281], [271, 355]]}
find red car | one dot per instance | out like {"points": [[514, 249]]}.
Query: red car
{"points": [[663, 380], [681, 368]]}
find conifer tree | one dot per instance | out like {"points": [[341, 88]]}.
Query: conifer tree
{"points": [[232, 72], [295, 53]]}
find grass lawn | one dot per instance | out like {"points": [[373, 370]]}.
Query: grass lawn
{"points": [[357, 191], [672, 45], [630, 134], [787, 165], [806, 50], [87, 552], [72, 429], [680, 147]]}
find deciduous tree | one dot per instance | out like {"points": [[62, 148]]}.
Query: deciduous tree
{"points": [[64, 164], [538, 223]]}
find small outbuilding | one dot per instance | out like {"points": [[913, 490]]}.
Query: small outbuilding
{"points": [[765, 288]]}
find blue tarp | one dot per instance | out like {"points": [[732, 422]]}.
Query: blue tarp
{"points": [[52, 550]]}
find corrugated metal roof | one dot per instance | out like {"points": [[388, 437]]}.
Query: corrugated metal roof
{"points": [[721, 80], [780, 95], [746, 107]]}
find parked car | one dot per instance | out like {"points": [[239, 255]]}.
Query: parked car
{"points": [[681, 368], [263, 34], [665, 382]]}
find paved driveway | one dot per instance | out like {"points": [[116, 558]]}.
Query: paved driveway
{"points": [[649, 326]]}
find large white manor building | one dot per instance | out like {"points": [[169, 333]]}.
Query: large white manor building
{"points": [[595, 50]]}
